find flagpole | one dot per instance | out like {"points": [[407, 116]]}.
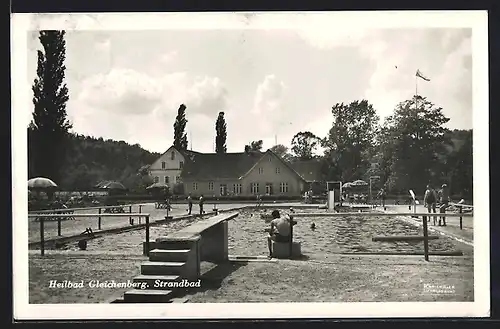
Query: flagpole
{"points": [[416, 91]]}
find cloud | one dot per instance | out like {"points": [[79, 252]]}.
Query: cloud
{"points": [[121, 91], [442, 54], [168, 57], [269, 96], [129, 105]]}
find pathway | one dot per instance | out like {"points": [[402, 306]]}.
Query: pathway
{"points": [[77, 226], [452, 227]]}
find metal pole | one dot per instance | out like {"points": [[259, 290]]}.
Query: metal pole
{"points": [[147, 235], [99, 220], [130, 218], [291, 237], [426, 238], [58, 226], [140, 209], [341, 194], [460, 211], [42, 233], [371, 199]]}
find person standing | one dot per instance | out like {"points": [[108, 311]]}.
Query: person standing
{"points": [[444, 200], [190, 203], [382, 196], [430, 200], [202, 200]]}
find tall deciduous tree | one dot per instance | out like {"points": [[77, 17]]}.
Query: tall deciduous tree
{"points": [[254, 146], [412, 141], [48, 132], [350, 140], [221, 134], [180, 136], [281, 151], [304, 144]]}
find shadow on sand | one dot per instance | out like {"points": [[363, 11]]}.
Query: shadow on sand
{"points": [[212, 279]]}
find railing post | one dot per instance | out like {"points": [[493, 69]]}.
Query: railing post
{"points": [[140, 209], [42, 233], [99, 220], [460, 211], [426, 238], [147, 235], [291, 237], [58, 226], [130, 218]]}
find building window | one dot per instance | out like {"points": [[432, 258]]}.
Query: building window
{"points": [[181, 164], [210, 186], [166, 180], [195, 186], [157, 179], [223, 189], [172, 156], [255, 188], [284, 187], [237, 188], [177, 179], [163, 165], [261, 170], [269, 188], [270, 159], [277, 170]]}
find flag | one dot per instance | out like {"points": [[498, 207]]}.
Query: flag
{"points": [[420, 75]]}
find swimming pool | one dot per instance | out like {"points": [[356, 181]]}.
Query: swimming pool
{"points": [[346, 234]]}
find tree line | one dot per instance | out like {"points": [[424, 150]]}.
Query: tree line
{"points": [[410, 148]]}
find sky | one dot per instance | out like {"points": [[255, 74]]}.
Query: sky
{"points": [[270, 83]]}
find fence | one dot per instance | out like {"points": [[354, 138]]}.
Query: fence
{"points": [[68, 213], [461, 207], [82, 236], [424, 216]]}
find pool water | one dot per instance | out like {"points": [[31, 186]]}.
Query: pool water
{"points": [[349, 234]]}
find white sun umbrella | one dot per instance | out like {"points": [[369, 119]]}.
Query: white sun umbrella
{"points": [[40, 183]]}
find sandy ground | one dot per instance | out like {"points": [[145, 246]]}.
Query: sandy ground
{"points": [[323, 275], [76, 268], [341, 279]]}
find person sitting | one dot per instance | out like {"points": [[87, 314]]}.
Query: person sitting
{"points": [[279, 231]]}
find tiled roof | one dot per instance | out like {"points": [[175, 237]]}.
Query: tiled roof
{"points": [[310, 170], [212, 166]]}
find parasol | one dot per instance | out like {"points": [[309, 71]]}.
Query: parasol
{"points": [[157, 186], [359, 182], [40, 183], [113, 186], [347, 185]]}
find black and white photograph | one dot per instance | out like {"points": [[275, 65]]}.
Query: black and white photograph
{"points": [[256, 164]]}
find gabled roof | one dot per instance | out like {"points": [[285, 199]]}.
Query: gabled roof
{"points": [[286, 163], [213, 166], [309, 170]]}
